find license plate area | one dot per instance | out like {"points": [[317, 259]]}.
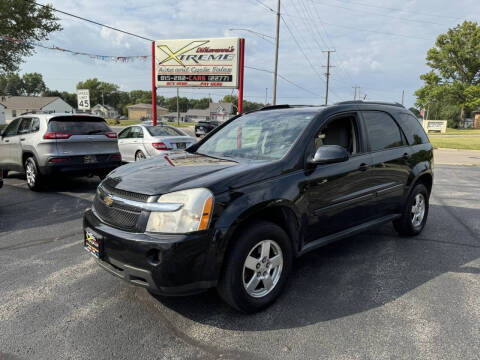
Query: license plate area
{"points": [[91, 244], [181, 145], [89, 159]]}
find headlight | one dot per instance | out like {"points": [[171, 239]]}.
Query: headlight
{"points": [[194, 215]]}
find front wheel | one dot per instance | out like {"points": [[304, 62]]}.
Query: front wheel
{"points": [[415, 213], [256, 268], [34, 178]]}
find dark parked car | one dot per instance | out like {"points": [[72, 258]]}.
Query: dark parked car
{"points": [[261, 190], [1, 178], [204, 127]]}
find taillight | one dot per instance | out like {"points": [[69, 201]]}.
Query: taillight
{"points": [[56, 135], [160, 146], [111, 135], [57, 160], [117, 156]]}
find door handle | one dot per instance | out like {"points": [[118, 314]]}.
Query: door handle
{"points": [[363, 167], [22, 139], [6, 140], [406, 156]]}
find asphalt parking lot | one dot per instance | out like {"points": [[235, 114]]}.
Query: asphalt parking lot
{"points": [[371, 296]]}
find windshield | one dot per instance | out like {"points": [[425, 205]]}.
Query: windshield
{"points": [[164, 131], [262, 135]]}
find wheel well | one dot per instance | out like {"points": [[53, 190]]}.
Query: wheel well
{"points": [[281, 216], [26, 155], [427, 181]]}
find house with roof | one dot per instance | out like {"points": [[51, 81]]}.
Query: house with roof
{"points": [[18, 105], [144, 112], [172, 117], [105, 111], [221, 111], [196, 115]]}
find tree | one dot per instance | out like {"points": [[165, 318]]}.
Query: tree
{"points": [[100, 92], [247, 105], [33, 84], [454, 80], [25, 22], [69, 98], [415, 111], [11, 84]]}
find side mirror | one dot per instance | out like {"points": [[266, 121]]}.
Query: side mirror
{"points": [[329, 154]]}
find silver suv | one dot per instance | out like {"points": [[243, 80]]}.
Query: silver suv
{"points": [[45, 144]]}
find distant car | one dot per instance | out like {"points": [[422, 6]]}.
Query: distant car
{"points": [[123, 117], [46, 144], [150, 122], [204, 127], [138, 142]]}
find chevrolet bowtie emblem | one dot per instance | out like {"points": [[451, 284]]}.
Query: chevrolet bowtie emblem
{"points": [[108, 200], [174, 55]]}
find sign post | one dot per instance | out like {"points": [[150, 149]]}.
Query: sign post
{"points": [[83, 99], [198, 63], [154, 88]]}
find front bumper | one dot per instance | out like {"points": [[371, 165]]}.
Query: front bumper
{"points": [[166, 264]]}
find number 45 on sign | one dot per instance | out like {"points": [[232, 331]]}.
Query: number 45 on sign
{"points": [[83, 99]]}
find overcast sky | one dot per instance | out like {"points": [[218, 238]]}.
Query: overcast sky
{"points": [[380, 45]]}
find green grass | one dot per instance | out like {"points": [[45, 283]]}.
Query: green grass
{"points": [[182, 124], [451, 131], [2, 127], [469, 143]]}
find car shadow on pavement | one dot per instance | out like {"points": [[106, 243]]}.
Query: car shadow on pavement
{"points": [[351, 276]]}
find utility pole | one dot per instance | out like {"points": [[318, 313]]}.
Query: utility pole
{"points": [[355, 87], [178, 110], [266, 96], [103, 100], [403, 97], [274, 91], [327, 74]]}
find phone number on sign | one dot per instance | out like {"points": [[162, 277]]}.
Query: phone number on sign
{"points": [[199, 78]]}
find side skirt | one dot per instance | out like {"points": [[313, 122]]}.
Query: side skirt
{"points": [[315, 244]]}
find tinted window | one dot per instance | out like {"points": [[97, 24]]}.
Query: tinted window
{"points": [[383, 132], [78, 125], [11, 129], [164, 131], [262, 135], [35, 124], [136, 132], [342, 132], [124, 134], [25, 126], [413, 129]]}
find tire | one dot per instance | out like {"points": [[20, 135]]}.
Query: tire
{"points": [[34, 178], [237, 275], [413, 218], [139, 155]]}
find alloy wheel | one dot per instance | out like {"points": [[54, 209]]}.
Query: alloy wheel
{"points": [[30, 173], [262, 268], [418, 210]]}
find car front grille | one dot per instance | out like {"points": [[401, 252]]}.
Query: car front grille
{"points": [[109, 186], [117, 215]]}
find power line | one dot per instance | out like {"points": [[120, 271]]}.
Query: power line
{"points": [[397, 9], [380, 14], [282, 77], [90, 21]]}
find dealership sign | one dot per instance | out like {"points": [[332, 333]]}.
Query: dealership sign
{"points": [[200, 63]]}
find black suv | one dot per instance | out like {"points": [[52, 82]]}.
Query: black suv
{"points": [[204, 127], [257, 192]]}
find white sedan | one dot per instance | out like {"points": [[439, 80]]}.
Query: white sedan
{"points": [[138, 142]]}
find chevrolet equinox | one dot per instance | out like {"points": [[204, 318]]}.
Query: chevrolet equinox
{"points": [[260, 190]]}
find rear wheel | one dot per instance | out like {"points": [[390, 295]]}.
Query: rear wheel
{"points": [[415, 213], [139, 155], [256, 268], [34, 178]]}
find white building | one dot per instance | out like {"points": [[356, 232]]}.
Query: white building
{"points": [[105, 111], [17, 105], [221, 111], [2, 114]]}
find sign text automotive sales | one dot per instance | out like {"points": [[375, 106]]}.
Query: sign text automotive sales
{"points": [[197, 63]]}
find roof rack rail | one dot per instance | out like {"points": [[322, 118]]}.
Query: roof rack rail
{"points": [[284, 106], [353, 102]]}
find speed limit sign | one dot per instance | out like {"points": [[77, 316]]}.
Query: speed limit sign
{"points": [[83, 99]]}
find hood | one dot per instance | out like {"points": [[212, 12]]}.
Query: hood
{"points": [[158, 176]]}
